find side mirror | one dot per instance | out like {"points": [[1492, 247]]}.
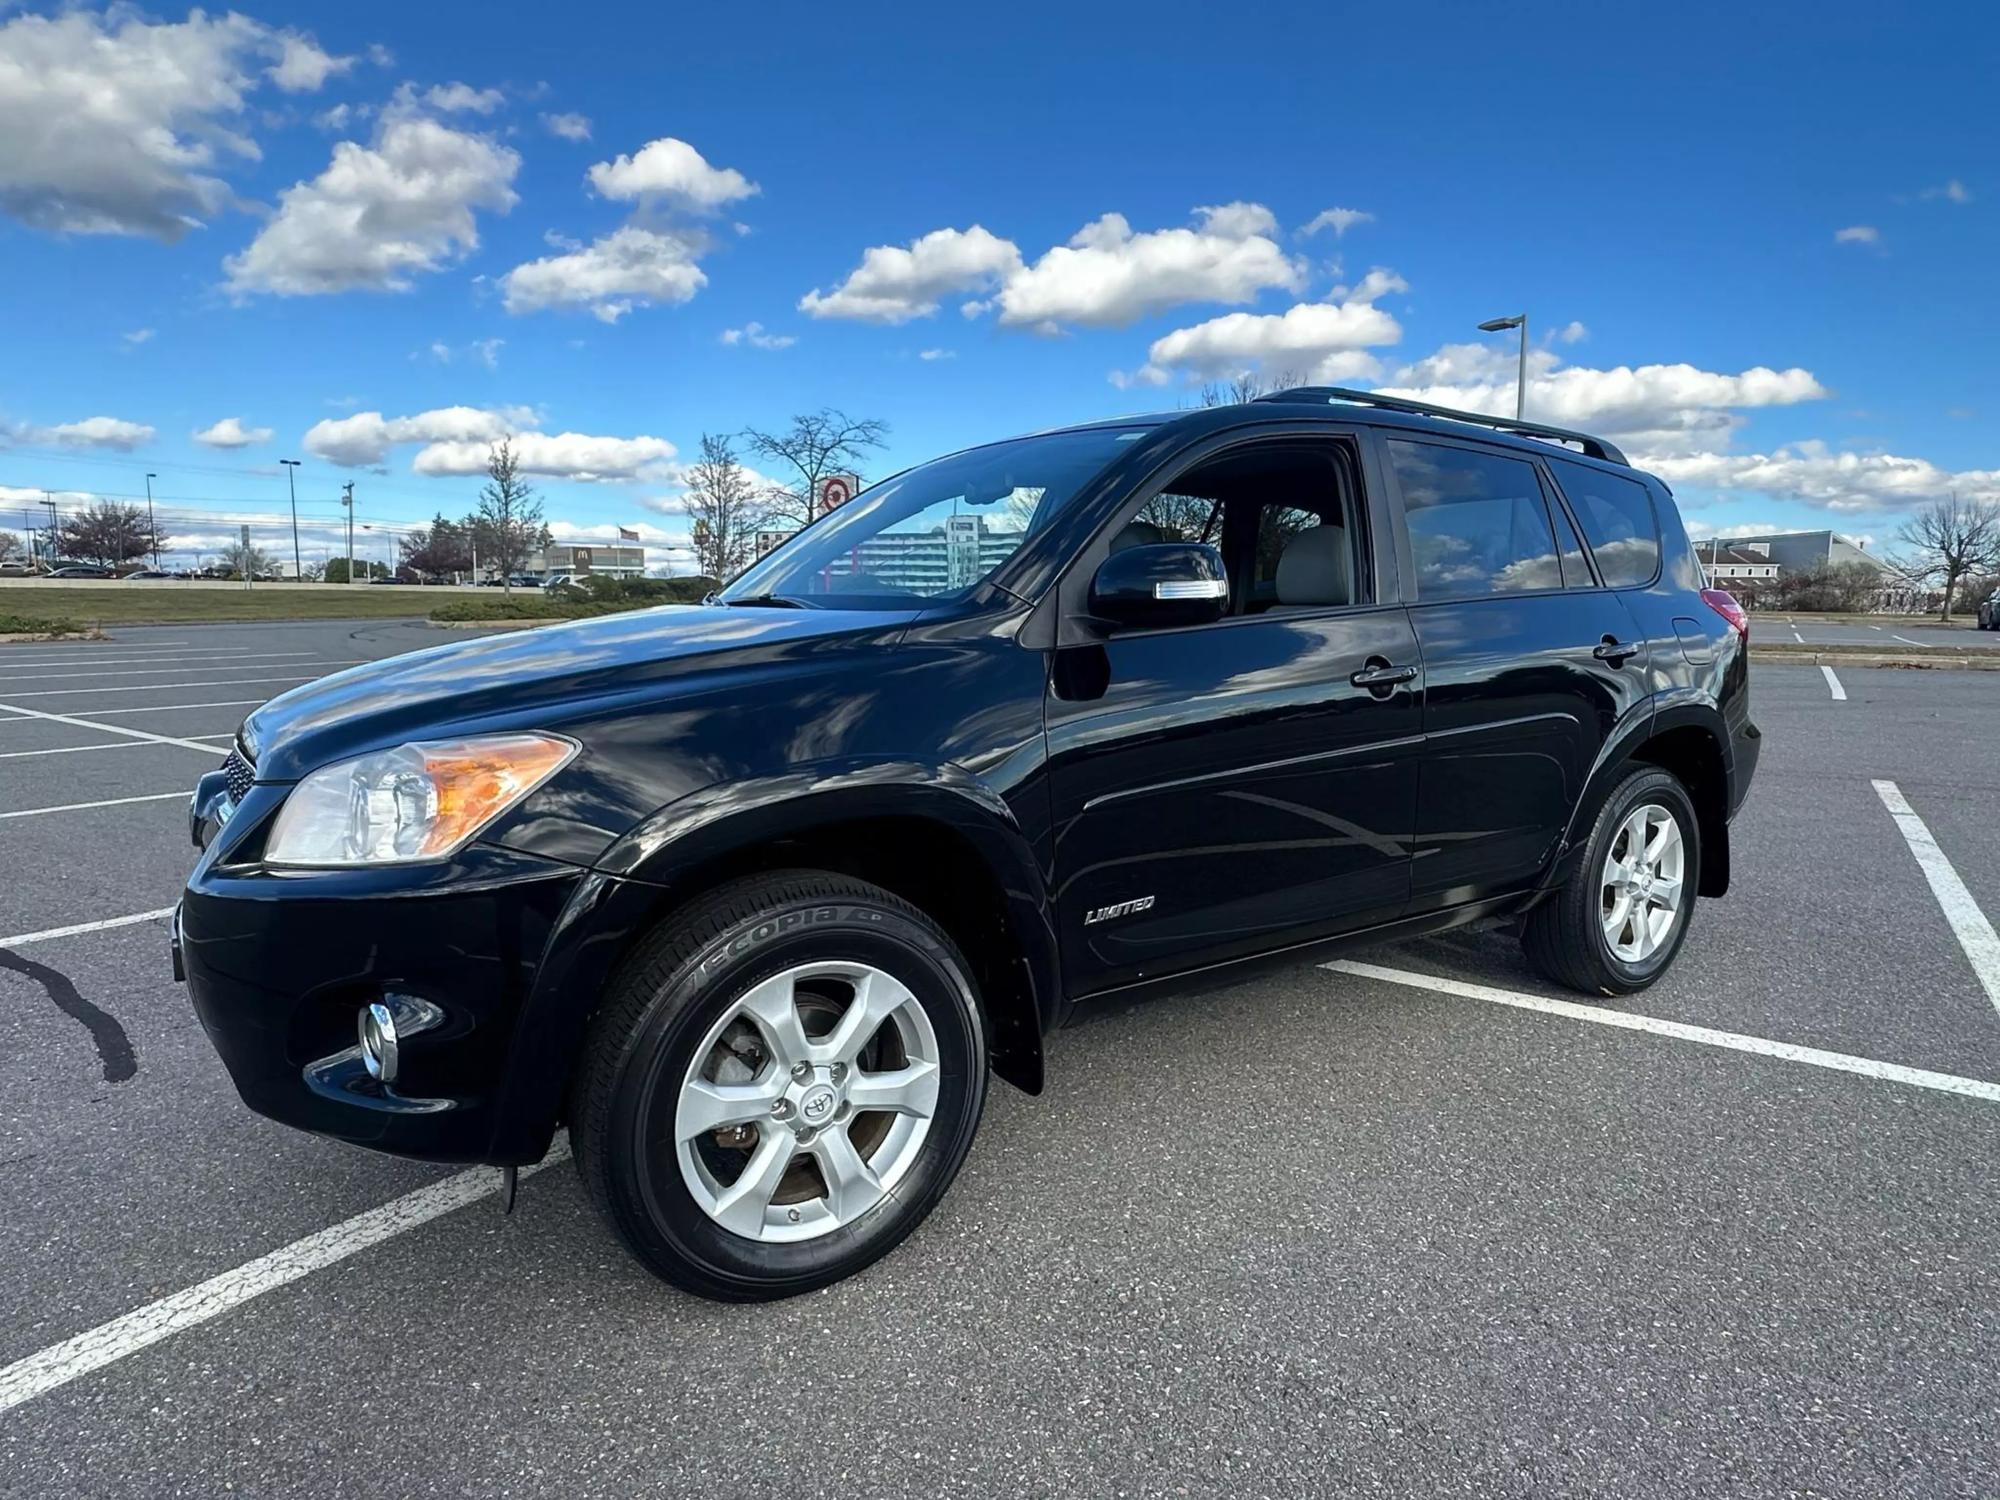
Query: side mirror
{"points": [[1161, 583]]}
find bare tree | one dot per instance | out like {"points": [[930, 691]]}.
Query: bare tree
{"points": [[1247, 387], [1949, 539], [723, 509], [818, 444], [508, 524], [247, 559], [107, 533], [10, 546]]}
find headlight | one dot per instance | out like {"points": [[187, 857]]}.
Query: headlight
{"points": [[415, 802]]}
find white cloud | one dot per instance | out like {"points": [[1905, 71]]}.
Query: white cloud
{"points": [[1572, 333], [1322, 340], [673, 173], [137, 337], [364, 439], [463, 98], [302, 68], [570, 127], [231, 433], [894, 283], [339, 116], [94, 432], [1813, 474], [112, 125], [1108, 275], [487, 351], [560, 455], [1858, 234], [937, 354], [379, 215], [1673, 408], [1339, 220], [755, 337], [1953, 191], [631, 267]]}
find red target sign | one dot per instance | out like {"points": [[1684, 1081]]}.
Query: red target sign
{"points": [[836, 490]]}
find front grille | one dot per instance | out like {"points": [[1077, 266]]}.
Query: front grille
{"points": [[237, 775]]}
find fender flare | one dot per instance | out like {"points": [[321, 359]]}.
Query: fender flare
{"points": [[646, 871]]}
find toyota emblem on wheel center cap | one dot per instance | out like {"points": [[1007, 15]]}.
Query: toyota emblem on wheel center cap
{"points": [[817, 1104]]}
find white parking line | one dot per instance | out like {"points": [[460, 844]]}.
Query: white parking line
{"points": [[162, 661], [1797, 637], [36, 812], [99, 745], [143, 1327], [1874, 627], [20, 938], [1968, 923], [1905, 640], [159, 687], [154, 671], [168, 708], [1833, 685], [1840, 1062], [118, 729]]}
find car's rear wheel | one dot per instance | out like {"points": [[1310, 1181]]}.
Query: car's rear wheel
{"points": [[781, 1083], [1618, 924]]}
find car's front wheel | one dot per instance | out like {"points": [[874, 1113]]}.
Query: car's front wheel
{"points": [[781, 1084], [1616, 927]]}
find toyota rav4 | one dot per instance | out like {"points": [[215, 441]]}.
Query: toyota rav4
{"points": [[753, 897]]}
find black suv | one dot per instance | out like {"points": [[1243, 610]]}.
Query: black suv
{"points": [[753, 896]]}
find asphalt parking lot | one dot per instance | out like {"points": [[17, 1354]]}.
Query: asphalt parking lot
{"points": [[1881, 635], [1342, 1231]]}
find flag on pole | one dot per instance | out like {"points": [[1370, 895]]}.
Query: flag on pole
{"points": [[626, 534]]}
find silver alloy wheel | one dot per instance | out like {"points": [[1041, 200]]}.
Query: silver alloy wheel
{"points": [[1642, 883], [809, 1170]]}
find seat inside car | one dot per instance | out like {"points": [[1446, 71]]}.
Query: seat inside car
{"points": [[1315, 569]]}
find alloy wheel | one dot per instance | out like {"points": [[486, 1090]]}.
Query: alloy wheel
{"points": [[807, 1102], [1641, 886]]}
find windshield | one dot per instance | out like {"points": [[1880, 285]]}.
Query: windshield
{"points": [[935, 531]]}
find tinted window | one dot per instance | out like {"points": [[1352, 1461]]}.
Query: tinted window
{"points": [[1617, 516], [1477, 522], [1576, 571]]}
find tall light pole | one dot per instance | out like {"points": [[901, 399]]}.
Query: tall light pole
{"points": [[292, 483], [347, 503], [152, 529], [1500, 325], [52, 543]]}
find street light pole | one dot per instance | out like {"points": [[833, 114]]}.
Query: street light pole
{"points": [[347, 503], [1497, 325], [152, 528], [292, 483]]}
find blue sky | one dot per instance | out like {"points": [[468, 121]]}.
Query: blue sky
{"points": [[298, 217]]}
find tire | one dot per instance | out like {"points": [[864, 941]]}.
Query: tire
{"points": [[1565, 937], [673, 1038]]}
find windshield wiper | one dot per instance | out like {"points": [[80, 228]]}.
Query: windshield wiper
{"points": [[766, 601]]}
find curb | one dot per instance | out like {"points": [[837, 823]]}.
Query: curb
{"points": [[1984, 661]]}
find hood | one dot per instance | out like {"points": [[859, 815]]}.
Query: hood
{"points": [[538, 678]]}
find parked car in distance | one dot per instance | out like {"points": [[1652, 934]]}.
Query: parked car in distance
{"points": [[16, 569], [754, 897], [1989, 613], [80, 570], [149, 574]]}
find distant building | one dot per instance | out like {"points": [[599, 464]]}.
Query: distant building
{"points": [[1725, 562], [610, 559], [1804, 551]]}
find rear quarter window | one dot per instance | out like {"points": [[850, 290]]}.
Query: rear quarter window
{"points": [[1617, 519]]}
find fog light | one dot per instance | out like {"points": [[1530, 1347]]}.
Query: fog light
{"points": [[378, 1042]]}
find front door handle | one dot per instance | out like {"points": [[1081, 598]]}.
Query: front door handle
{"points": [[1378, 674], [1612, 650]]}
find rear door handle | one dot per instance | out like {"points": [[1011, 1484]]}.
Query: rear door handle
{"points": [[1611, 650], [1384, 676]]}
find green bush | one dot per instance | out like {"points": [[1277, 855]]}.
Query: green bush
{"points": [[599, 588], [23, 625]]}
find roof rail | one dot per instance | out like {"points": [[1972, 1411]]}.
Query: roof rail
{"points": [[1593, 447]]}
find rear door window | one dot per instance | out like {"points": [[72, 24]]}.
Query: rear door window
{"points": [[1617, 519], [1478, 522]]}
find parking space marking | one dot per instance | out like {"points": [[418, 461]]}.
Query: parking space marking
{"points": [[1905, 640], [170, 708], [1833, 685], [143, 1327], [99, 745], [163, 660], [157, 687], [1839, 1062], [80, 928], [154, 671], [1968, 923], [36, 812], [1797, 637], [119, 729]]}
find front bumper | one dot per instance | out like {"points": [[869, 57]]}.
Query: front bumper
{"points": [[279, 962]]}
